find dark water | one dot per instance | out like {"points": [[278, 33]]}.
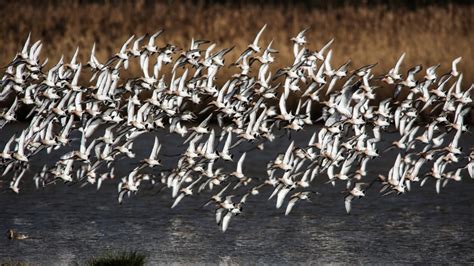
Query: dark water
{"points": [[69, 224]]}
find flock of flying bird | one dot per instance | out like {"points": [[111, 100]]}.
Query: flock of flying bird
{"points": [[180, 95]]}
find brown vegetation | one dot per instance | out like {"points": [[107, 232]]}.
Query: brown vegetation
{"points": [[429, 35]]}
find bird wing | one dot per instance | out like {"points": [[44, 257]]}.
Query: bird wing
{"points": [[154, 150], [219, 215], [290, 205], [397, 66], [124, 46], [281, 196], [327, 61], [227, 143], [225, 221], [347, 202], [455, 63], [241, 162], [289, 151], [177, 200], [255, 42], [326, 46]]}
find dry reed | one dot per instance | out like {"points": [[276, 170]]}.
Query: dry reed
{"points": [[429, 35]]}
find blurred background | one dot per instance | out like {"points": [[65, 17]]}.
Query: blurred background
{"points": [[365, 31]]}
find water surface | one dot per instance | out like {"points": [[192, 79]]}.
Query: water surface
{"points": [[70, 224]]}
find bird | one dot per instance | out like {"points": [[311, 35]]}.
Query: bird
{"points": [[225, 153], [295, 198], [14, 235], [187, 191], [355, 192], [394, 73], [239, 170], [153, 160]]}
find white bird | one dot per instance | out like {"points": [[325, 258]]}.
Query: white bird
{"points": [[187, 191], [16, 180], [20, 148], [230, 213], [286, 163], [295, 198], [6, 154], [356, 191], [254, 46], [153, 159], [300, 39], [394, 73], [238, 172], [225, 154]]}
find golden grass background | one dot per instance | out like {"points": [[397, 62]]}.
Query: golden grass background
{"points": [[366, 34]]}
